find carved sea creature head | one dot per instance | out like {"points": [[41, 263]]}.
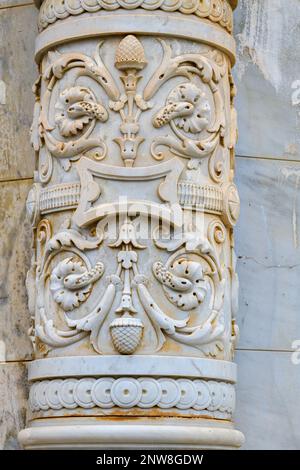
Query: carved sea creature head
{"points": [[76, 107], [188, 107], [127, 234], [126, 334], [65, 297]]}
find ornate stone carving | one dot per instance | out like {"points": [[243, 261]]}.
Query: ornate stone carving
{"points": [[76, 112], [133, 290], [184, 283], [76, 107], [130, 58], [188, 107], [126, 333], [200, 197], [191, 195], [231, 205], [187, 110], [196, 127]]}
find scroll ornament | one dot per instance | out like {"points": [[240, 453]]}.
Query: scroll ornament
{"points": [[218, 11], [194, 110], [184, 281]]}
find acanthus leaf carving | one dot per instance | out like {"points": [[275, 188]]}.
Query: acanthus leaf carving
{"points": [[93, 322], [193, 273], [69, 237], [53, 337], [70, 281], [76, 107], [219, 11], [187, 109]]}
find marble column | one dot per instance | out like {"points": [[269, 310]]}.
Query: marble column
{"points": [[132, 290]]}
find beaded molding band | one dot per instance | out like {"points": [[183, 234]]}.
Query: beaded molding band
{"points": [[218, 11], [128, 392]]}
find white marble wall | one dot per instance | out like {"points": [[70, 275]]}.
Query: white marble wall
{"points": [[267, 236], [268, 233], [268, 78]]}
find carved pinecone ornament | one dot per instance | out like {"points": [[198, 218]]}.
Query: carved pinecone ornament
{"points": [[126, 333], [130, 54]]}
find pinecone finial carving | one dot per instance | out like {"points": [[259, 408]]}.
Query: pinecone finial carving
{"points": [[130, 54]]}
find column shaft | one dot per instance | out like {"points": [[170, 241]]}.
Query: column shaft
{"points": [[133, 290]]}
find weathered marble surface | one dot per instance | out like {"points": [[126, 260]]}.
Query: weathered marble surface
{"points": [[268, 411], [15, 252], [13, 394], [268, 45], [268, 248], [17, 74]]}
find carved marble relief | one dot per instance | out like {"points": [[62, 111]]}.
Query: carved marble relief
{"points": [[68, 128], [133, 209], [218, 11]]}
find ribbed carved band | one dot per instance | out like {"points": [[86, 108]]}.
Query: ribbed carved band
{"points": [[190, 195], [59, 196], [128, 392], [196, 196], [218, 11]]}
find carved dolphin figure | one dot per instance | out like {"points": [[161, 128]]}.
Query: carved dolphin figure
{"points": [[189, 108], [75, 108], [172, 111], [87, 108]]}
